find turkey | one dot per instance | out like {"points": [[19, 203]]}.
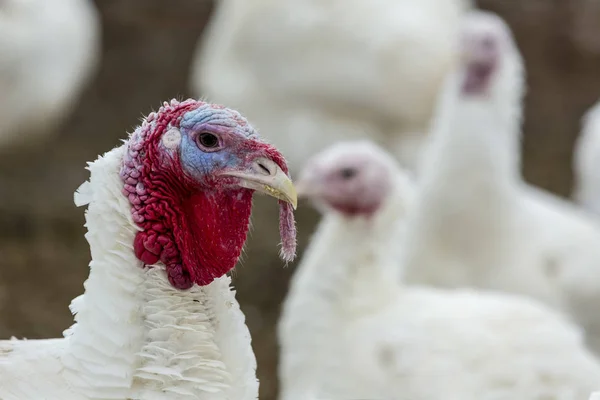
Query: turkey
{"points": [[586, 162], [476, 223], [310, 73], [349, 330], [168, 213], [49, 50]]}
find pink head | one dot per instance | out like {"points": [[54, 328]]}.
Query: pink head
{"points": [[189, 172], [485, 39], [352, 178]]}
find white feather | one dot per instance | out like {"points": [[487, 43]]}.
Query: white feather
{"points": [[350, 331], [83, 195], [477, 224], [586, 161], [49, 50], [135, 336], [310, 73]]}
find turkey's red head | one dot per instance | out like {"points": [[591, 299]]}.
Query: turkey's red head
{"points": [[190, 171]]}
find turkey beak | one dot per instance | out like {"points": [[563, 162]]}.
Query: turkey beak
{"points": [[267, 177]]}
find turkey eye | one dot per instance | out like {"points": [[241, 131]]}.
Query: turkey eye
{"points": [[347, 173], [208, 140]]}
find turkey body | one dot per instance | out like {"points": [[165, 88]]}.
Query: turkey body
{"points": [[137, 333], [310, 73], [123, 343], [477, 223], [349, 330], [48, 53]]}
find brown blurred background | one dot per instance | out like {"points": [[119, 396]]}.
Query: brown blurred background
{"points": [[147, 49]]}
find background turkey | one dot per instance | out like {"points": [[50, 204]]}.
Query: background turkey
{"points": [[349, 329], [48, 53], [309, 73], [147, 55], [476, 223]]}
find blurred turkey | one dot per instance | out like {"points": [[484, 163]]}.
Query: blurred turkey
{"points": [[350, 331], [477, 223], [168, 214], [49, 50], [586, 161], [310, 73]]}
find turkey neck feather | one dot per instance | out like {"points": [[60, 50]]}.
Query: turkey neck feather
{"points": [[470, 183], [351, 266], [475, 146], [472, 163], [349, 271], [135, 335]]}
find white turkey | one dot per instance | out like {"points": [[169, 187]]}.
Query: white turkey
{"points": [[310, 73], [49, 50], [349, 330], [168, 213], [587, 162], [477, 223]]}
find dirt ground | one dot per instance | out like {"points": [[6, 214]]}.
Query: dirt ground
{"points": [[148, 46]]}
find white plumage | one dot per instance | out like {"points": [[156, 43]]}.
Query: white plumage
{"points": [[310, 73], [477, 223], [350, 331], [586, 161], [136, 335], [48, 52]]}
